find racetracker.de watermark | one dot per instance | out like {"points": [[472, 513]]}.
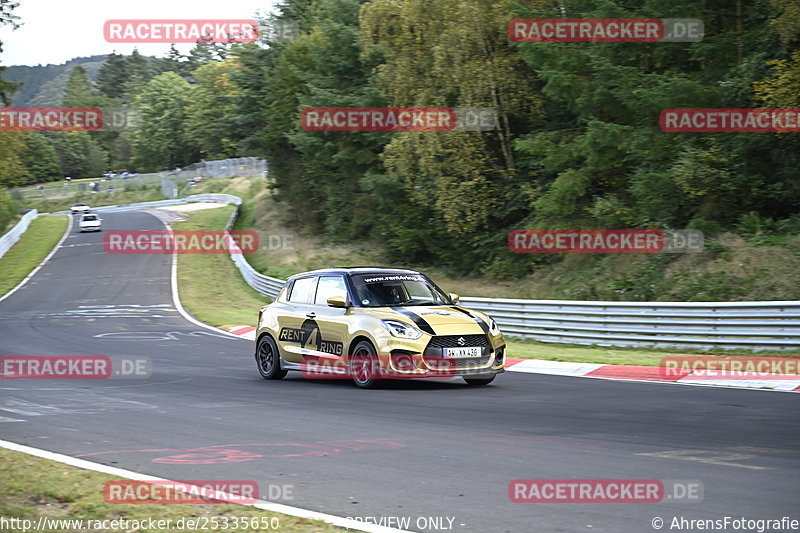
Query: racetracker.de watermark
{"points": [[605, 491], [593, 241], [606, 30], [180, 31], [397, 366], [74, 367], [67, 119], [180, 242], [398, 119], [51, 119], [730, 368], [730, 120], [180, 492]]}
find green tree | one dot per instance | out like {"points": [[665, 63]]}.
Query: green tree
{"points": [[8, 209], [79, 91], [12, 167], [113, 76], [600, 157], [160, 142], [322, 171], [139, 71], [210, 110], [252, 93], [79, 155], [453, 53], [174, 62], [40, 159]]}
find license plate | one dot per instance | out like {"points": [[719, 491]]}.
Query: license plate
{"points": [[467, 351]]}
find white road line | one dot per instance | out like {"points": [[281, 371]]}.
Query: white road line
{"points": [[176, 299], [45, 260], [348, 523]]}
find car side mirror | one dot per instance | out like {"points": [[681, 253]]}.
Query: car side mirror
{"points": [[337, 301], [454, 297]]}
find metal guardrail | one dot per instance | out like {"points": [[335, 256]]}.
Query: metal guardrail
{"points": [[264, 285], [221, 198], [702, 325], [13, 235], [126, 207]]}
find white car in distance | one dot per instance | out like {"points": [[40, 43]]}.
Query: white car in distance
{"points": [[80, 208], [90, 222]]}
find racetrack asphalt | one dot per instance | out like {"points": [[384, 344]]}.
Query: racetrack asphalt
{"points": [[410, 449]]}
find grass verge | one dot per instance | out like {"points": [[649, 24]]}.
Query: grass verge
{"points": [[34, 245], [33, 487], [210, 286]]}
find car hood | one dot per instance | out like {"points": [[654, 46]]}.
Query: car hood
{"points": [[437, 319], [89, 223]]}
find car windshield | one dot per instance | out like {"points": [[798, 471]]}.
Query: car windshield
{"points": [[90, 218], [387, 290]]}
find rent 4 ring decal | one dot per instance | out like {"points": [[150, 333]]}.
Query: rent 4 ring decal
{"points": [[303, 334]]}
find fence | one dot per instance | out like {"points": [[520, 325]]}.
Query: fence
{"points": [[176, 182], [702, 325], [63, 189], [172, 182], [12, 236], [223, 168]]}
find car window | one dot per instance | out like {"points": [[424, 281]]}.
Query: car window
{"points": [[303, 290], [378, 290], [281, 296], [330, 286]]}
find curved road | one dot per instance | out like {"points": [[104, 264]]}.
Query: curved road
{"points": [[412, 449]]}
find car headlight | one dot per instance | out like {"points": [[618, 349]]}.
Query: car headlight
{"points": [[401, 329], [493, 329]]}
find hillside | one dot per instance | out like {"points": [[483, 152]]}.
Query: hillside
{"points": [[43, 85]]}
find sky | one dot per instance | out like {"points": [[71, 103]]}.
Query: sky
{"points": [[55, 31]]}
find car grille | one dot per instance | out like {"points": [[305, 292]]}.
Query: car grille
{"points": [[451, 341], [434, 351]]}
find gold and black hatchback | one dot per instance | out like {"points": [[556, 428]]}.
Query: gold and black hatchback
{"points": [[368, 324]]}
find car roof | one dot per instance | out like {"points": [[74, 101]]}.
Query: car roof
{"points": [[354, 270]]}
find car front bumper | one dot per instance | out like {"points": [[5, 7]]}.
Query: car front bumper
{"points": [[401, 358]]}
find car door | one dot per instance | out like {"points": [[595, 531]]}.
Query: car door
{"points": [[295, 330], [331, 321]]}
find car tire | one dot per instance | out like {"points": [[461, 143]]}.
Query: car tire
{"points": [[268, 359], [476, 382], [363, 365]]}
